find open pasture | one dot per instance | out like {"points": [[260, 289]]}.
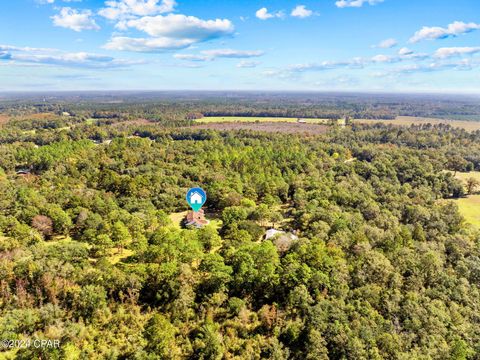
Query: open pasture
{"points": [[249, 119], [270, 127], [411, 120]]}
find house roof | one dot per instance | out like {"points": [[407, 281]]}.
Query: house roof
{"points": [[196, 218], [271, 233]]}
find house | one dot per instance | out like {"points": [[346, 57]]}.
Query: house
{"points": [[196, 198], [196, 219]]}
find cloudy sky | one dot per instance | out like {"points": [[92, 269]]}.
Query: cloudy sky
{"points": [[338, 45]]}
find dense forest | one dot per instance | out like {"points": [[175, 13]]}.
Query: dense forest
{"points": [[384, 266], [161, 106]]}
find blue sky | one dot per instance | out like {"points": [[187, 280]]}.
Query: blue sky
{"points": [[323, 45]]}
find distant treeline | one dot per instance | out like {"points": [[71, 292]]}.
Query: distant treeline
{"points": [[175, 106]]}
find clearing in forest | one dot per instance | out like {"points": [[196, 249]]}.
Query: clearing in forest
{"points": [[250, 119], [470, 206], [464, 176], [4, 119], [178, 217], [271, 127], [412, 120], [470, 209]]}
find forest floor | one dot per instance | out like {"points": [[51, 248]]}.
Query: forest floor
{"points": [[271, 127], [412, 120]]}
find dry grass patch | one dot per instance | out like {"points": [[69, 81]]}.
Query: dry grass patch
{"points": [[412, 120], [4, 119], [270, 127], [470, 209]]}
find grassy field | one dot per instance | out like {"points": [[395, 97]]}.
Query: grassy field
{"points": [[470, 209], [411, 120], [178, 217], [4, 119], [464, 176], [219, 119], [117, 255], [470, 206], [269, 127]]}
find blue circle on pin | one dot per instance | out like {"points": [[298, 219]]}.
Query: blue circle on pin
{"points": [[196, 197]]}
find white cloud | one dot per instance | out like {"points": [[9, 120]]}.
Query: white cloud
{"points": [[53, 1], [25, 48], [383, 59], [356, 3], [356, 63], [170, 32], [182, 27], [405, 51], [75, 20], [301, 11], [209, 55], [229, 53], [447, 52], [40, 56], [452, 30], [5, 55], [387, 44], [147, 45], [191, 57], [127, 9], [434, 66], [263, 14], [247, 64]]}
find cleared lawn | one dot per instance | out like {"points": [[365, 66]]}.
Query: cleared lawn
{"points": [[117, 255], [177, 218], [470, 208], [221, 119], [464, 176], [4, 119], [412, 120]]}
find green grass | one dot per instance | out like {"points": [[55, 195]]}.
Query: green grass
{"points": [[177, 218], [469, 206], [117, 255], [219, 119], [470, 209], [464, 176], [59, 239]]}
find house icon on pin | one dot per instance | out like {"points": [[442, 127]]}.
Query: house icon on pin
{"points": [[196, 198]]}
